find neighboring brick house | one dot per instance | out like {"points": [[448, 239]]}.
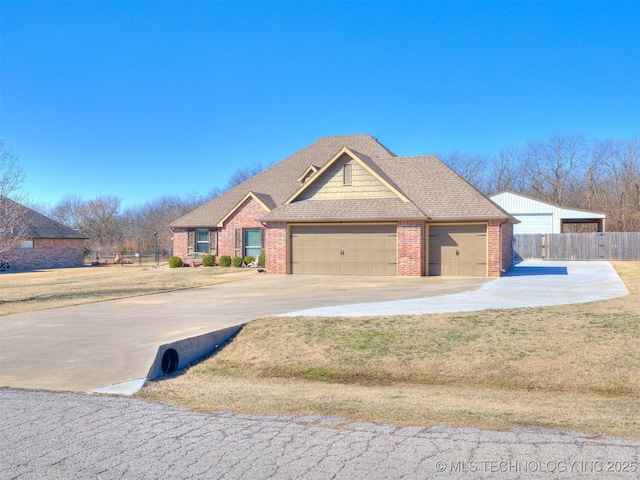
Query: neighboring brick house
{"points": [[42, 243], [347, 205]]}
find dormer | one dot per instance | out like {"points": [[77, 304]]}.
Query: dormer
{"points": [[308, 173]]}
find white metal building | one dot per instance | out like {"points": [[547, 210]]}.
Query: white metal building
{"points": [[540, 217]]}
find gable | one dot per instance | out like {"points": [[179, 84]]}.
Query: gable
{"points": [[281, 180], [361, 184], [250, 205]]}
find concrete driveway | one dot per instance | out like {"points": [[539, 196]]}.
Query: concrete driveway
{"points": [[87, 347], [533, 283]]}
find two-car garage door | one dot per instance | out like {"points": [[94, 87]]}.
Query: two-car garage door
{"points": [[344, 249]]}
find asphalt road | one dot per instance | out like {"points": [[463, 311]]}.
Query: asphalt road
{"points": [[75, 436]]}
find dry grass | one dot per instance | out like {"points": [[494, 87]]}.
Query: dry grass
{"points": [[44, 289], [573, 366], [402, 404]]}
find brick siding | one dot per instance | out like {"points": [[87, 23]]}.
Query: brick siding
{"points": [[506, 235], [411, 248], [276, 248], [47, 253], [244, 217], [180, 242], [494, 249]]}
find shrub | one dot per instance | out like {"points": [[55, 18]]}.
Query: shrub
{"points": [[208, 260], [175, 262], [237, 261], [248, 259], [225, 261], [261, 259]]}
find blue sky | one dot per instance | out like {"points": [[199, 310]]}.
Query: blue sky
{"points": [[143, 99]]}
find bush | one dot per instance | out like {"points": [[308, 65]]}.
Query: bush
{"points": [[208, 260], [225, 261], [261, 260], [175, 262], [248, 259], [237, 261]]}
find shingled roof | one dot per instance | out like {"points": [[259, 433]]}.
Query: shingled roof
{"points": [[39, 226], [431, 190], [438, 191], [281, 180]]}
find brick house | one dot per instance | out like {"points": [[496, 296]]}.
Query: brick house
{"points": [[348, 205], [42, 243]]}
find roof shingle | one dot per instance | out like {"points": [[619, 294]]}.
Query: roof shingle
{"points": [[39, 226]]}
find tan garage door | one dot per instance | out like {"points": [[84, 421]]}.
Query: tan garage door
{"points": [[344, 250], [458, 250]]}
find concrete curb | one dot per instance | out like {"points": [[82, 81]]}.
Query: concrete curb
{"points": [[174, 356], [181, 353]]}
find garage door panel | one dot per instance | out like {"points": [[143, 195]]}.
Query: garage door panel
{"points": [[344, 249], [362, 256], [473, 257], [469, 269]]}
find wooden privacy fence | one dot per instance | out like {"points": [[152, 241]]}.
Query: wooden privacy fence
{"points": [[578, 246]]}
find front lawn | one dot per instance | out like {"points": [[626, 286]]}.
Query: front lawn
{"points": [[23, 292]]}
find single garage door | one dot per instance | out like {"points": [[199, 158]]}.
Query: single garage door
{"points": [[458, 250], [344, 250]]}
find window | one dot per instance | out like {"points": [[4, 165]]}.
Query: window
{"points": [[346, 174], [248, 241], [202, 241], [26, 244], [253, 242]]}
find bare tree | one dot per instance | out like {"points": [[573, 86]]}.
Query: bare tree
{"points": [[13, 223], [588, 190], [100, 222], [244, 173], [69, 211], [470, 166], [139, 223], [552, 164], [623, 186], [504, 172]]}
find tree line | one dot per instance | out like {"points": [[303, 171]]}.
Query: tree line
{"points": [[565, 169], [112, 229]]}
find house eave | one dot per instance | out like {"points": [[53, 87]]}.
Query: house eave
{"points": [[472, 218], [341, 219]]}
